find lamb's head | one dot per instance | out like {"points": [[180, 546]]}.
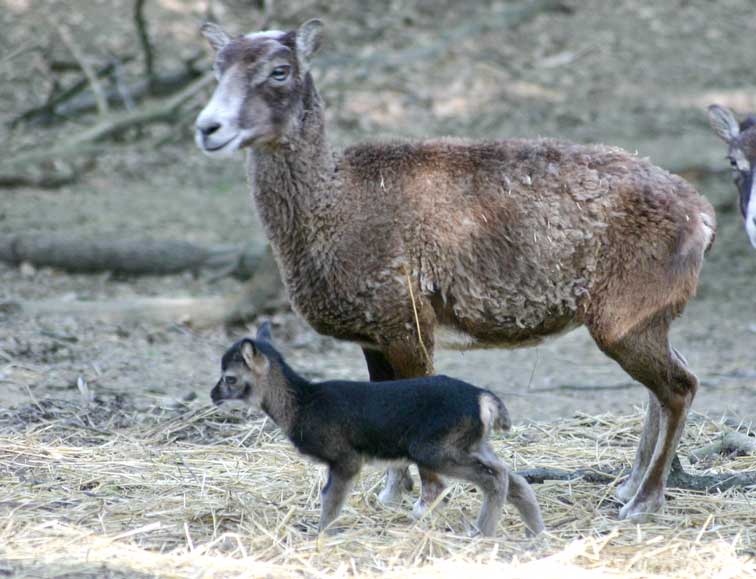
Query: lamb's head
{"points": [[245, 371], [741, 140], [263, 87]]}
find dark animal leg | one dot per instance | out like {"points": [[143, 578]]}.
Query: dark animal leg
{"points": [[645, 354], [398, 479], [432, 486], [403, 359], [626, 491], [334, 494]]}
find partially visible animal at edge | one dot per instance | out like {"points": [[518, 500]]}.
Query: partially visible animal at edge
{"points": [[741, 152], [438, 423], [405, 246]]}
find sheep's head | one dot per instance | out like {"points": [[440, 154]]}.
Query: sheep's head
{"points": [[263, 87], [245, 370], [741, 138]]}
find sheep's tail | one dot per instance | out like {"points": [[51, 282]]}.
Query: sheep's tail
{"points": [[493, 414]]}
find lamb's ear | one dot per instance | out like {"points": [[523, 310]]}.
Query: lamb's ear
{"points": [[253, 358], [308, 41], [215, 35], [263, 332], [724, 123]]}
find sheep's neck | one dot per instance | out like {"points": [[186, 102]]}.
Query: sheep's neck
{"points": [[294, 188], [280, 400]]}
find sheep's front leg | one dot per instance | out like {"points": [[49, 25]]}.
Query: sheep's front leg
{"points": [[334, 494], [399, 363]]}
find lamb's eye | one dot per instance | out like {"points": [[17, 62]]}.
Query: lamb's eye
{"points": [[280, 73], [733, 162], [230, 380]]}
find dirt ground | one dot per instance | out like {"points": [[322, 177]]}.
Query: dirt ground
{"points": [[636, 74]]}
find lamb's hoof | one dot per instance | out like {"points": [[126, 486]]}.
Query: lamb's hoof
{"points": [[640, 511], [390, 496], [419, 509]]}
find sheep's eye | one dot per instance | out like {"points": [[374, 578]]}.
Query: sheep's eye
{"points": [[733, 162], [280, 73], [230, 380]]}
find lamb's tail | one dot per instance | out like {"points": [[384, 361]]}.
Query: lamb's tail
{"points": [[493, 414]]}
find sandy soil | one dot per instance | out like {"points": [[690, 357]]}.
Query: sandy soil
{"points": [[637, 74]]}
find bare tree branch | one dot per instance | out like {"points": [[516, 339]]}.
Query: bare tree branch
{"points": [[144, 41], [89, 73]]}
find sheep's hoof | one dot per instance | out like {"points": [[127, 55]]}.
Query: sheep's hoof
{"points": [[640, 511]]}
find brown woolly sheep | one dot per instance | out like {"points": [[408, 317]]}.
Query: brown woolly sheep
{"points": [[501, 242]]}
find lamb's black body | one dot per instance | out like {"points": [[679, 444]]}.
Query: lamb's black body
{"points": [[390, 420], [386, 420], [439, 423]]}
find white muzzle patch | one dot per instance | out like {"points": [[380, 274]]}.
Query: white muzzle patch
{"points": [[750, 216], [217, 131]]}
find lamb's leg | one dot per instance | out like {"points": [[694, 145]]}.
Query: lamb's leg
{"points": [[644, 353], [519, 492], [432, 486], [334, 494], [480, 468], [521, 495], [628, 488], [491, 477]]}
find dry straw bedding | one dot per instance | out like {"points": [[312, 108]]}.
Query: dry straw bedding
{"points": [[109, 489]]}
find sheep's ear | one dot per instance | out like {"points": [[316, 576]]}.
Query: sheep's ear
{"points": [[248, 352], [724, 123], [308, 41], [263, 332], [253, 358], [215, 35]]}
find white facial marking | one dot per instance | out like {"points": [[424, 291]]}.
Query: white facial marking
{"points": [[275, 34], [222, 111], [740, 159], [751, 215]]}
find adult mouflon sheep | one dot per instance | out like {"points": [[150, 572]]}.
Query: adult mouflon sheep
{"points": [[499, 243]]}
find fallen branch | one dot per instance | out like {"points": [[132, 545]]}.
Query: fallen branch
{"points": [[130, 257], [264, 293], [89, 73], [86, 142], [541, 475], [728, 443], [678, 478], [140, 24]]}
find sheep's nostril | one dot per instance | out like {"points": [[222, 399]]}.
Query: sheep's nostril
{"points": [[208, 129]]}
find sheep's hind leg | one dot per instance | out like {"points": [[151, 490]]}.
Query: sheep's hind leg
{"points": [[521, 495], [626, 491], [645, 355], [482, 469]]}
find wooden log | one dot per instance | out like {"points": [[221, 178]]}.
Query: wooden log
{"points": [[129, 257]]}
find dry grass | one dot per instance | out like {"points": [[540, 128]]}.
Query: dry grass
{"points": [[113, 490]]}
